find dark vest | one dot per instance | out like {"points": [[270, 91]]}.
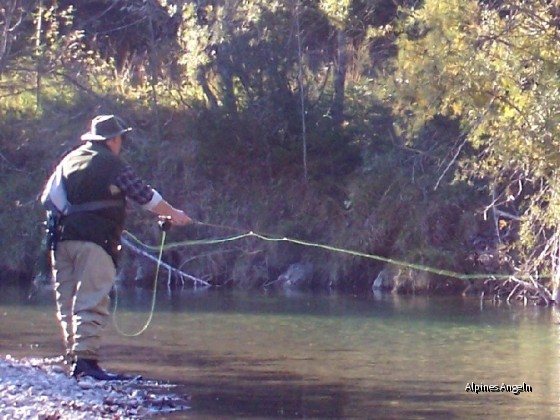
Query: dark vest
{"points": [[89, 173]]}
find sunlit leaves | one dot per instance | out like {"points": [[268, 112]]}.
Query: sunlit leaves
{"points": [[496, 70], [496, 74], [336, 10]]}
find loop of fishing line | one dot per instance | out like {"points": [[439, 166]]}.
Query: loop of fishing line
{"points": [[270, 238], [154, 295]]}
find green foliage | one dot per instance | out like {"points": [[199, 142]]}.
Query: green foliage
{"points": [[337, 11], [495, 71], [449, 111], [496, 74]]}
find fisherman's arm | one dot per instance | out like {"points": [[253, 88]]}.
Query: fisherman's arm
{"points": [[148, 198]]}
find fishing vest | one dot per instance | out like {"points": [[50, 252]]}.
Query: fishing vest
{"points": [[88, 174]]}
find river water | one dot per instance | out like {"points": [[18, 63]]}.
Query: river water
{"points": [[237, 355]]}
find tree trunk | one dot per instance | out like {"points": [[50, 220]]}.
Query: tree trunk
{"points": [[226, 78], [337, 111], [556, 269], [7, 31]]}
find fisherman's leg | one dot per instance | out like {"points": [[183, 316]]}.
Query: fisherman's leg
{"points": [[96, 274], [65, 288]]}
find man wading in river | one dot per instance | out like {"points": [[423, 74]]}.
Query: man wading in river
{"points": [[85, 198]]}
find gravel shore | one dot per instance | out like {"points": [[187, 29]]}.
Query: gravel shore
{"points": [[41, 389]]}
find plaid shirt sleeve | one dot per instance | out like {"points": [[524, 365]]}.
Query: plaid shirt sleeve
{"points": [[133, 186]]}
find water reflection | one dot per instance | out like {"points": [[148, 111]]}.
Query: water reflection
{"points": [[268, 356]]}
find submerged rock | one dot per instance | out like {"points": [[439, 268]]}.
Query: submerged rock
{"points": [[297, 277], [405, 281], [383, 281]]}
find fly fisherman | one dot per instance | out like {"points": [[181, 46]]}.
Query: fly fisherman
{"points": [[86, 197]]}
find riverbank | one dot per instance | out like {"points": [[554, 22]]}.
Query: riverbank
{"points": [[41, 388]]}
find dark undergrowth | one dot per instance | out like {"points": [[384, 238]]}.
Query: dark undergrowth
{"points": [[376, 198]]}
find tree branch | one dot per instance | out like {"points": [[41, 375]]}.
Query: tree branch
{"points": [[170, 269]]}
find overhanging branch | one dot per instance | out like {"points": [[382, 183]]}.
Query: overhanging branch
{"points": [[169, 268]]}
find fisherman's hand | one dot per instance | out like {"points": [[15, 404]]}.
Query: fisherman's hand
{"points": [[178, 217]]}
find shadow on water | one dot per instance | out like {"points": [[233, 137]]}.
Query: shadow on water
{"points": [[287, 397], [234, 392]]}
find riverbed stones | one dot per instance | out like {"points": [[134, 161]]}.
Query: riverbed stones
{"points": [[40, 388]]}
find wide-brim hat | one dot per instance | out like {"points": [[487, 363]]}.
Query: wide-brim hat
{"points": [[104, 127]]}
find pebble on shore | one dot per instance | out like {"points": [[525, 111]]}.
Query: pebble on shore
{"points": [[41, 388]]}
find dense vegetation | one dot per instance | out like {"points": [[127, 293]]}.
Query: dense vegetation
{"points": [[423, 131]]}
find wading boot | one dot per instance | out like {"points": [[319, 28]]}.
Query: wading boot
{"points": [[90, 367], [69, 360]]}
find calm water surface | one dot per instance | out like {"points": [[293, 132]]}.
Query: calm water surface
{"points": [[268, 356]]}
